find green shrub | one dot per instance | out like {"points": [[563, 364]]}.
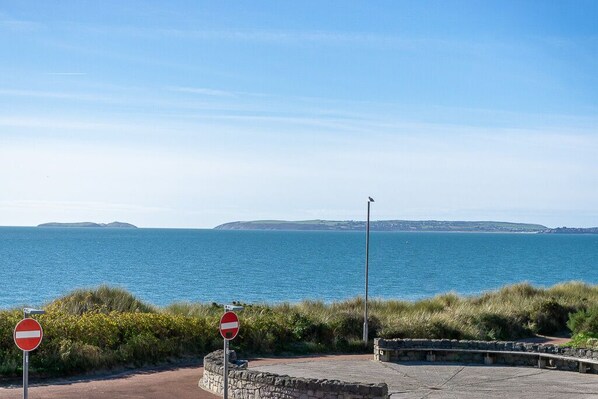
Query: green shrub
{"points": [[305, 329], [77, 356], [440, 329], [96, 340], [493, 326], [103, 299], [520, 290], [584, 321], [584, 340], [549, 317], [347, 325], [105, 327]]}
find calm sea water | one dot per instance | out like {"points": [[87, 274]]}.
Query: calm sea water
{"points": [[167, 265]]}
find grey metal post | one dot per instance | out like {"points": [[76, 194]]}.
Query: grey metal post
{"points": [[227, 308], [367, 256], [26, 313], [225, 377], [25, 365], [25, 374]]}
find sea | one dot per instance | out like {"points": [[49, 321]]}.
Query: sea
{"points": [[164, 266]]}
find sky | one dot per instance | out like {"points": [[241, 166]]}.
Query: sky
{"points": [[195, 113]]}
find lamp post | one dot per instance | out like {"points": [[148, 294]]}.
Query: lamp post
{"points": [[367, 256]]}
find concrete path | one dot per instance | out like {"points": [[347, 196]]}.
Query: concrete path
{"points": [[449, 380]]}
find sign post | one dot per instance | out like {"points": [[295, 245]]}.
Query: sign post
{"points": [[28, 335], [229, 328]]}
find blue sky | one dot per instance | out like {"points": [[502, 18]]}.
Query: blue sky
{"points": [[192, 114]]}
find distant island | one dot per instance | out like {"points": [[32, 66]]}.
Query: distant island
{"points": [[571, 230], [387, 225], [89, 224], [404, 225]]}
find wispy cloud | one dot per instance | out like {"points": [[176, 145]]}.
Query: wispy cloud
{"points": [[80, 205], [48, 94], [203, 91], [63, 123], [66, 73], [280, 36], [18, 25], [134, 97], [287, 37]]}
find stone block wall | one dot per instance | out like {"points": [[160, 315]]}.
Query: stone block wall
{"points": [[475, 352], [251, 384]]}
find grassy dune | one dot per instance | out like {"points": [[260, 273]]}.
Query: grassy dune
{"points": [[107, 328]]}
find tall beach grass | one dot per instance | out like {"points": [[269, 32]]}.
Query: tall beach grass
{"points": [[105, 328]]}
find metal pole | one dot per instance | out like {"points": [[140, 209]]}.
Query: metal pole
{"points": [[25, 374], [25, 367], [26, 313], [367, 256], [225, 380]]}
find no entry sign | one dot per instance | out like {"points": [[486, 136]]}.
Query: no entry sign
{"points": [[229, 325], [28, 334]]}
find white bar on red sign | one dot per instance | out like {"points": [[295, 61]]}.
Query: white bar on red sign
{"points": [[226, 326], [28, 334]]}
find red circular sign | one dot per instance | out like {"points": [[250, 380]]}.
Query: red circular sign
{"points": [[229, 325], [28, 334]]}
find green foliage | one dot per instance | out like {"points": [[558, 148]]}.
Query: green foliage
{"points": [[584, 321], [103, 299], [92, 341], [493, 326], [584, 340], [104, 328], [439, 329], [550, 317], [74, 355]]}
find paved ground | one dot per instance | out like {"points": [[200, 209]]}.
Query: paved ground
{"points": [[448, 381], [406, 381], [180, 383]]}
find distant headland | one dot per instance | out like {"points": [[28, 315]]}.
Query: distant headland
{"points": [[404, 225], [89, 224]]}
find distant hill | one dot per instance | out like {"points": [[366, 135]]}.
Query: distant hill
{"points": [[387, 225], [89, 224], [571, 230]]}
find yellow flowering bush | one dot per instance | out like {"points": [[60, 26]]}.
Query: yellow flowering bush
{"points": [[91, 341], [107, 328]]}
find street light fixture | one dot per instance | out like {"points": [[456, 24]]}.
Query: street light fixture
{"points": [[29, 311], [367, 256]]}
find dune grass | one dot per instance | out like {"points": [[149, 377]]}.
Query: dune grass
{"points": [[105, 328], [103, 299], [511, 312]]}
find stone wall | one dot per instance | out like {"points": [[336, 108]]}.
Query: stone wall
{"points": [[251, 384], [489, 352]]}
